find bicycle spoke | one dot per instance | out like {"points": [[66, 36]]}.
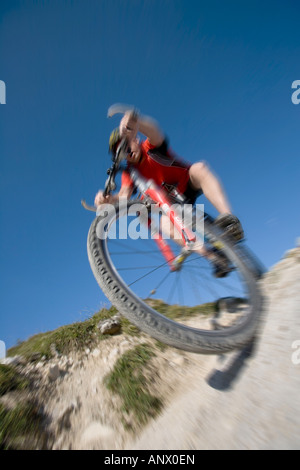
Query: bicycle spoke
{"points": [[172, 290], [152, 252], [196, 290], [230, 288], [135, 268], [192, 283], [180, 291], [133, 251], [148, 274], [204, 279], [160, 283]]}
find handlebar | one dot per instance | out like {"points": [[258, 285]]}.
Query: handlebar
{"points": [[119, 108], [122, 151], [121, 155]]}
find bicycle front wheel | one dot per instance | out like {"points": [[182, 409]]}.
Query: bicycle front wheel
{"points": [[189, 308]]}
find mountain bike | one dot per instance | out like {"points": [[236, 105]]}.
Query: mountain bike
{"points": [[165, 285]]}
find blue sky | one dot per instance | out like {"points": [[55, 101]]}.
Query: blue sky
{"points": [[216, 75]]}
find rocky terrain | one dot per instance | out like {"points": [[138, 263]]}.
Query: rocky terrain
{"points": [[243, 400]]}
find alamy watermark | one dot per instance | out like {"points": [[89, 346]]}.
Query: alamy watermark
{"points": [[2, 92], [140, 221], [296, 353], [2, 350], [296, 94]]}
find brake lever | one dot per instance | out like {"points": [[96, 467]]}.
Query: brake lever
{"points": [[121, 155], [110, 184], [120, 108]]}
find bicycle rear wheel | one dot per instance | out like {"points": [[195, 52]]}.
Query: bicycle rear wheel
{"points": [[188, 309]]}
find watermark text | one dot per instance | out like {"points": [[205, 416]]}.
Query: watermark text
{"points": [[138, 221], [296, 353], [2, 350], [2, 92], [296, 94]]}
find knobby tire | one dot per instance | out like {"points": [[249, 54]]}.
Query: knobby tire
{"points": [[160, 327]]}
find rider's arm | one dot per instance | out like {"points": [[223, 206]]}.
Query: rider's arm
{"points": [[125, 191], [132, 123], [150, 128]]}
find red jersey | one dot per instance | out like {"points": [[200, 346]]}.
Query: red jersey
{"points": [[160, 165]]}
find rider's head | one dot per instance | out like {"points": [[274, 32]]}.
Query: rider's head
{"points": [[135, 151], [114, 141], [134, 148]]}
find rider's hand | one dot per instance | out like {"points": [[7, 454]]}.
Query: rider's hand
{"points": [[101, 199], [129, 125]]}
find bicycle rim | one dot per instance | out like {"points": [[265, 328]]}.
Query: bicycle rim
{"points": [[189, 309]]}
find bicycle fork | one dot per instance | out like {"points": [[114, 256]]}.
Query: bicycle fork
{"points": [[150, 190], [175, 262]]}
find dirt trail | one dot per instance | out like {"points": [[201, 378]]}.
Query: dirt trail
{"points": [[248, 399], [244, 400]]}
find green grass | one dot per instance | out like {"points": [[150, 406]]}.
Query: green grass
{"points": [[81, 335], [10, 380], [176, 312], [129, 377], [22, 422], [19, 425], [129, 381], [76, 336]]}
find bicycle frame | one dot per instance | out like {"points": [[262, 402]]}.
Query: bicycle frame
{"points": [[157, 195]]}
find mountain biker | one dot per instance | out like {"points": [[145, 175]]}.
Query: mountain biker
{"points": [[154, 159]]}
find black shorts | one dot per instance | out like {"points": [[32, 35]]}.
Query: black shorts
{"points": [[191, 193]]}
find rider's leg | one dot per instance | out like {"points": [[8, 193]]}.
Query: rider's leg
{"points": [[219, 261], [202, 178], [171, 232]]}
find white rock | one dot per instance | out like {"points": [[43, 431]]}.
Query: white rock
{"points": [[98, 436], [110, 326], [96, 352], [53, 372], [12, 361]]}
